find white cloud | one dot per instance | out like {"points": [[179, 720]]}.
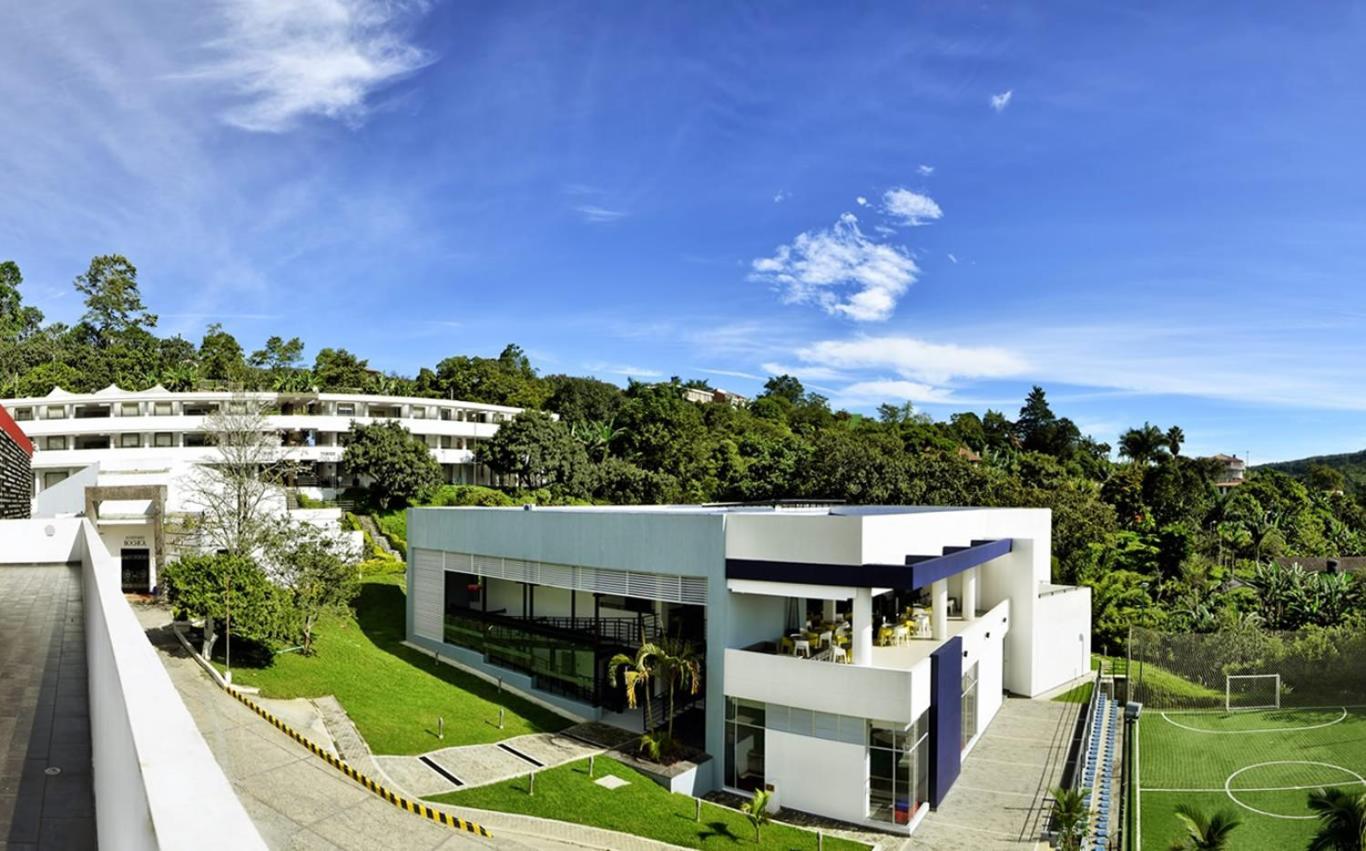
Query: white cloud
{"points": [[289, 60], [933, 363], [862, 201], [911, 208], [952, 259], [1002, 100], [869, 392], [780, 196], [732, 373], [599, 215], [625, 369], [822, 267], [925, 170], [806, 371]]}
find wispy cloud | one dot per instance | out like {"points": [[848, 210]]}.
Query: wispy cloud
{"points": [[861, 201], [952, 258], [1000, 101], [599, 215], [910, 208], [624, 369], [841, 270], [813, 372], [925, 170], [732, 373], [288, 61], [780, 196], [908, 357], [863, 393]]}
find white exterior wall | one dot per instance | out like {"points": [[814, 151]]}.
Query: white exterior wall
{"points": [[817, 775], [880, 693], [1062, 651], [984, 643]]}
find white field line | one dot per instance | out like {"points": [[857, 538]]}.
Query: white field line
{"points": [[1337, 720], [1265, 788]]}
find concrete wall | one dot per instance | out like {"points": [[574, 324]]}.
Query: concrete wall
{"points": [[1062, 651], [67, 497], [41, 541], [879, 693], [818, 775]]}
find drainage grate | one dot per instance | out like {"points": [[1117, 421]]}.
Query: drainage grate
{"points": [[521, 756], [439, 770]]}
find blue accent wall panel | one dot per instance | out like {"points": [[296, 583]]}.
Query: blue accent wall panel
{"points": [[946, 717]]}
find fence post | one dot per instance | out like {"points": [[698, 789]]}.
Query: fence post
{"points": [[440, 727], [531, 785], [592, 758], [501, 712], [698, 815]]}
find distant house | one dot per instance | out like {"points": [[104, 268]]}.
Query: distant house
{"points": [[1320, 564], [1232, 472], [705, 395]]}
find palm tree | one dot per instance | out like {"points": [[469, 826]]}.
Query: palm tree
{"points": [[678, 664], [756, 810], [1069, 819], [640, 672], [1204, 832], [596, 437], [1175, 437], [1342, 820], [1142, 445]]}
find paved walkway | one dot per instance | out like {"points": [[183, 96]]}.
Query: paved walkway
{"points": [[478, 765], [46, 794], [999, 799]]}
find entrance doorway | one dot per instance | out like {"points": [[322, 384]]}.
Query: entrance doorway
{"points": [[137, 569]]}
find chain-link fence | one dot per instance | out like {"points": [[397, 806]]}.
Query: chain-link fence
{"points": [[1317, 667]]}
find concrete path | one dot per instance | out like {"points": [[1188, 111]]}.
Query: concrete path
{"points": [[999, 799], [478, 765]]}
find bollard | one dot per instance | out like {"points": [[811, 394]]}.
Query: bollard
{"points": [[697, 816], [531, 784], [591, 759], [820, 840], [501, 711], [440, 727]]}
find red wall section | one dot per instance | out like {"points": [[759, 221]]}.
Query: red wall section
{"points": [[10, 427]]}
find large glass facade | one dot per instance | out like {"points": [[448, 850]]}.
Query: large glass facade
{"points": [[969, 705], [744, 744], [898, 770]]}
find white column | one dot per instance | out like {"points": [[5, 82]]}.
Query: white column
{"points": [[828, 611], [861, 642], [969, 600], [939, 600]]}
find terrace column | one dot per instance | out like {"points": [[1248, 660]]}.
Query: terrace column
{"points": [[969, 600], [828, 611], [861, 642], [939, 600]]}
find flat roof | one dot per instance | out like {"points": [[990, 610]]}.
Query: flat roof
{"points": [[793, 509]]}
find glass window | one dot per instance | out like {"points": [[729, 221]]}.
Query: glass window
{"points": [[744, 744], [23, 414], [129, 441], [54, 412], [164, 438], [196, 438], [162, 409], [969, 706], [898, 770], [346, 410], [56, 443], [50, 479], [419, 412], [130, 409]]}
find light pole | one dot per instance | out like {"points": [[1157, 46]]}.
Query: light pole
{"points": [[227, 627]]}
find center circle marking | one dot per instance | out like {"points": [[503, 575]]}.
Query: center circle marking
{"points": [[1228, 784]]}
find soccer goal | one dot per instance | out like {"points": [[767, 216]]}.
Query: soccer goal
{"points": [[1247, 692]]}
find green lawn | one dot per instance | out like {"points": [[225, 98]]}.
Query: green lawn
{"points": [[1190, 757], [643, 808], [1076, 694], [393, 693]]}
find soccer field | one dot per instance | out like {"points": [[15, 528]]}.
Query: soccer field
{"points": [[1259, 765]]}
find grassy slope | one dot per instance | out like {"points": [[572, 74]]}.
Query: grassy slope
{"points": [[643, 808], [393, 693], [1174, 758]]}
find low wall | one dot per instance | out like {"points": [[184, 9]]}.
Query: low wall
{"points": [[157, 784]]}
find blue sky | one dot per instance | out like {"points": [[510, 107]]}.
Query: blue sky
{"points": [[1157, 214]]}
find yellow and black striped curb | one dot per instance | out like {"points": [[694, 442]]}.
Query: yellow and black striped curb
{"points": [[399, 801]]}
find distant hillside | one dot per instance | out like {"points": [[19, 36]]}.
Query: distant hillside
{"points": [[1352, 466]]}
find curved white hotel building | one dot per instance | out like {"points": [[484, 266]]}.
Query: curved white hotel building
{"points": [[72, 431]]}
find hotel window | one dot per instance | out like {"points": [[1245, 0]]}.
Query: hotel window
{"points": [[969, 705], [23, 414], [163, 439], [130, 409], [346, 409], [744, 744], [54, 412], [898, 770], [55, 443], [161, 409], [419, 413], [198, 409], [130, 441], [196, 438], [50, 479]]}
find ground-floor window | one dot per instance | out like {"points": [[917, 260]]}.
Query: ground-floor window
{"points": [[744, 744], [898, 770], [969, 705]]}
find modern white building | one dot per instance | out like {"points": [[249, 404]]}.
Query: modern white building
{"points": [[72, 431], [853, 655]]}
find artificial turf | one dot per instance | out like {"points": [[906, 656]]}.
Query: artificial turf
{"points": [[393, 693], [642, 807], [1246, 762]]}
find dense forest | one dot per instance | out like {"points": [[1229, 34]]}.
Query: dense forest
{"points": [[1140, 522]]}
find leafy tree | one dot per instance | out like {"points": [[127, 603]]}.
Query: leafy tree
{"points": [[17, 321], [1324, 478], [337, 370], [505, 380], [1203, 832], [317, 574], [398, 466], [1144, 445], [220, 357], [1175, 437], [785, 387], [538, 451], [680, 666], [230, 589], [636, 673], [619, 482], [1341, 820], [582, 400], [112, 300], [279, 354]]}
